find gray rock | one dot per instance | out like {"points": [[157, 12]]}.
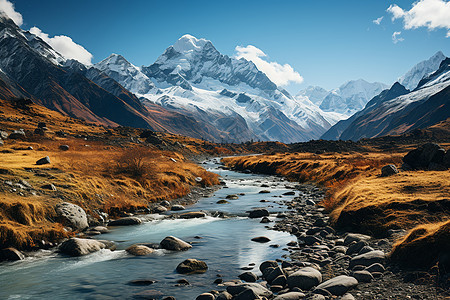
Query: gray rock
{"points": [[11, 254], [258, 289], [271, 273], [347, 297], [192, 266], [310, 239], [338, 285], [267, 264], [355, 247], [3, 135], [125, 221], [258, 213], [80, 247], [388, 170], [177, 207], [377, 267], [368, 258], [290, 296], [43, 161], [248, 277], [17, 135], [159, 209], [71, 215], [363, 276], [174, 244], [355, 237], [192, 215], [305, 278], [64, 147], [139, 250], [205, 296], [340, 249], [280, 280], [365, 249], [265, 220], [165, 203], [1, 142]]}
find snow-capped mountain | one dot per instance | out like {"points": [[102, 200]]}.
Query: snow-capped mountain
{"points": [[351, 97], [411, 79], [315, 94], [398, 110], [194, 78]]}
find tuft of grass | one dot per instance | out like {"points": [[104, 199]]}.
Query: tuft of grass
{"points": [[425, 246]]}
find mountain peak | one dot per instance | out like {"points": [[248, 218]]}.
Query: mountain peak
{"points": [[412, 78], [188, 43]]}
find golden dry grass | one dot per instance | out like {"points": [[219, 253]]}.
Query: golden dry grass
{"points": [[357, 197]]}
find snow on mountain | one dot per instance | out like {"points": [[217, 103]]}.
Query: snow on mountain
{"points": [[421, 70], [315, 94], [351, 97], [194, 78], [130, 76]]}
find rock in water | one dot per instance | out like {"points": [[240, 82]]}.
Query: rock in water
{"points": [[79, 247], [174, 244], [139, 250], [192, 215], [71, 215], [205, 296], [388, 170], [261, 239], [177, 207], [258, 213], [192, 266], [305, 278], [338, 285], [257, 289], [11, 254], [43, 161], [125, 221], [248, 277]]}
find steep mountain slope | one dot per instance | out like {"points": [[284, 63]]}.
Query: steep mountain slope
{"points": [[230, 95], [411, 78], [335, 132], [36, 71], [315, 94], [351, 97], [426, 105]]}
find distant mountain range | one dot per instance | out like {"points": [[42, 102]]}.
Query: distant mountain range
{"points": [[399, 110], [194, 90]]}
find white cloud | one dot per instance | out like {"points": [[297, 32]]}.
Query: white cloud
{"points": [[378, 20], [431, 14], [396, 37], [65, 46], [8, 8], [280, 74]]}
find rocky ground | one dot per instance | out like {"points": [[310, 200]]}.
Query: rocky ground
{"points": [[327, 264]]}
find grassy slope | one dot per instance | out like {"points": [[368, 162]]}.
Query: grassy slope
{"points": [[93, 173]]}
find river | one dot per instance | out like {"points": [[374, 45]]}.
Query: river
{"points": [[223, 243]]}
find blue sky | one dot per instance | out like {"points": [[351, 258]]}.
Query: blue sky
{"points": [[326, 42]]}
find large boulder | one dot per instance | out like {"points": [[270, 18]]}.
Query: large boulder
{"points": [[388, 170], [80, 247], [43, 161], [366, 259], [192, 215], [258, 213], [192, 266], [139, 250], [71, 215], [11, 254], [338, 285], [305, 278], [174, 244], [257, 289], [424, 156], [125, 221]]}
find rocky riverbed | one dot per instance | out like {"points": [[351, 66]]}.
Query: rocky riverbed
{"points": [[323, 263]]}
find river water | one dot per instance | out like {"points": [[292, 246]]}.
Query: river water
{"points": [[225, 245]]}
